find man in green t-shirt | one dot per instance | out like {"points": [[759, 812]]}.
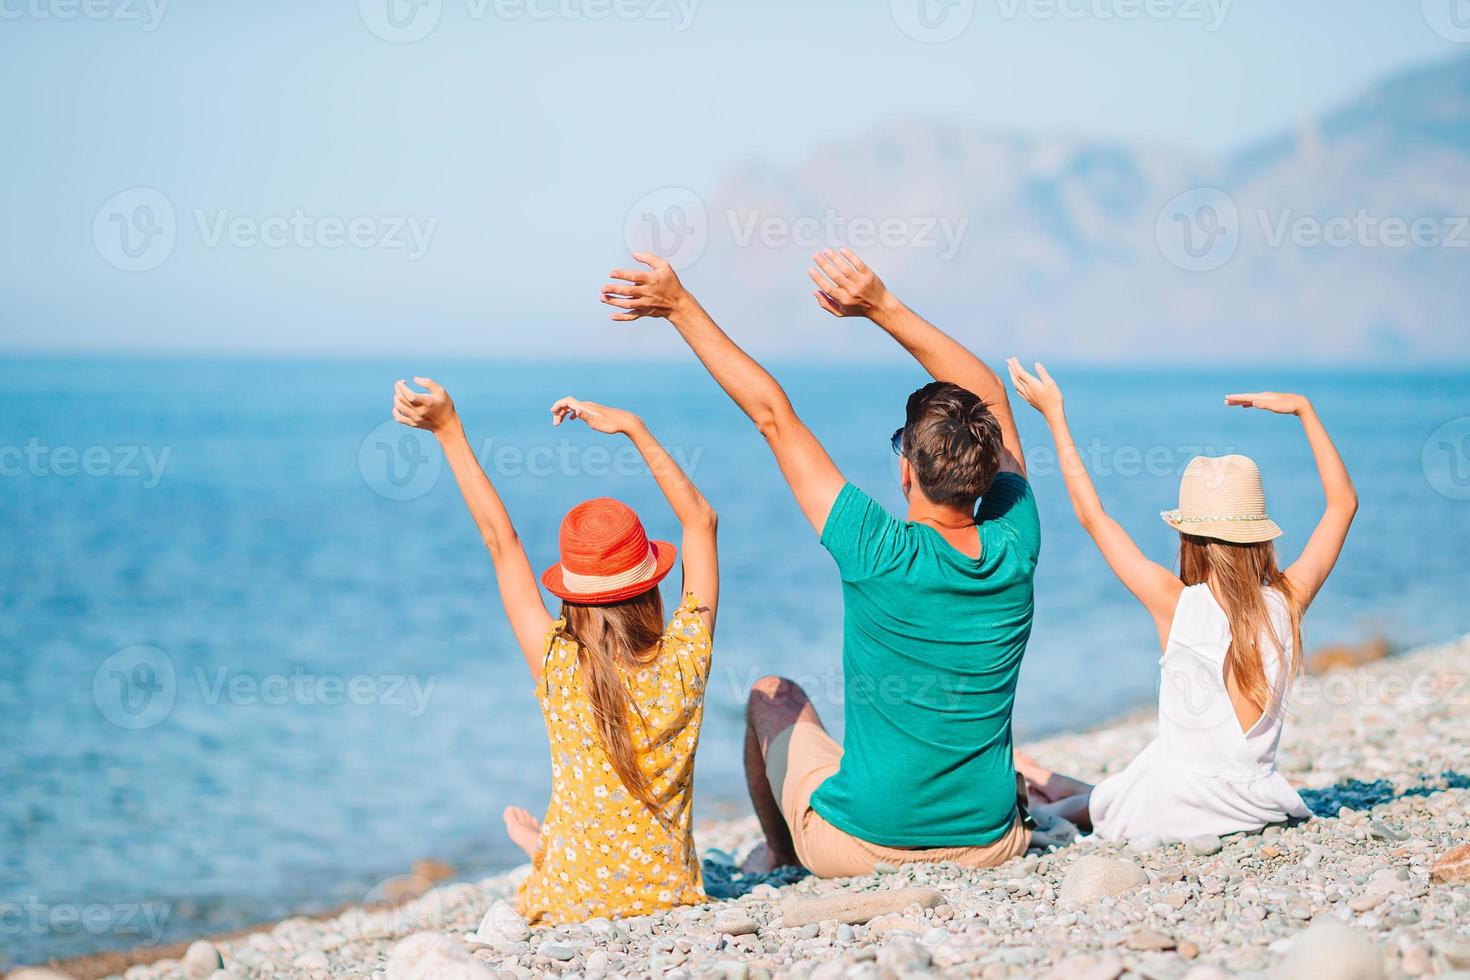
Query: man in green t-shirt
{"points": [[936, 607]]}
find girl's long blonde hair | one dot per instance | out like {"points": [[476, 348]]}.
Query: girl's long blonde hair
{"points": [[625, 634], [1236, 574]]}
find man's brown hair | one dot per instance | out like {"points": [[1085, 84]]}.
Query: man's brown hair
{"points": [[952, 441]]}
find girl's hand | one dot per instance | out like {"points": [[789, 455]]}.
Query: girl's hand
{"points": [[599, 418], [432, 410], [1039, 390], [657, 292], [845, 285], [1271, 401]]}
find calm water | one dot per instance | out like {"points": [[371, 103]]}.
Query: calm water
{"points": [[238, 677]]}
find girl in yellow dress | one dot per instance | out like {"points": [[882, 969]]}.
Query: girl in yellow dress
{"points": [[621, 691]]}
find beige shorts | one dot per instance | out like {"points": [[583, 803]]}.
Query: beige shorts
{"points": [[803, 757]]}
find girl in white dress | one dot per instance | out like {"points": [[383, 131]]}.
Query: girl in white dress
{"points": [[1229, 626]]}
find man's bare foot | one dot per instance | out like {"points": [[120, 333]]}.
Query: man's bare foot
{"points": [[1035, 775], [1045, 785], [758, 861], [762, 860], [523, 828]]}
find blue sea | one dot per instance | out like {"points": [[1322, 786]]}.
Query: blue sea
{"points": [[252, 660]]}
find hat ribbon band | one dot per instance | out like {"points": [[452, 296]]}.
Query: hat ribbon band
{"points": [[1174, 515], [591, 584]]}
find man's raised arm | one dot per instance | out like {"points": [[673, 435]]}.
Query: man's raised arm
{"points": [[847, 287], [814, 478]]}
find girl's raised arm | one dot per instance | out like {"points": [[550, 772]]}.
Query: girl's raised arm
{"points": [[434, 411], [696, 516], [1309, 572], [1151, 583]]}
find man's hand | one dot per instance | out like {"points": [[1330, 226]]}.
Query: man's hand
{"points": [[433, 411], [846, 286], [657, 292], [1039, 390], [1270, 401], [599, 418]]}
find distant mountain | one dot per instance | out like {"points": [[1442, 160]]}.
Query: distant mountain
{"points": [[1346, 239]]}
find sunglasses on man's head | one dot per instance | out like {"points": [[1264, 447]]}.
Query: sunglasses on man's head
{"points": [[896, 441]]}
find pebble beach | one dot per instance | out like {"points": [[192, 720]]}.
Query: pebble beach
{"points": [[1377, 885]]}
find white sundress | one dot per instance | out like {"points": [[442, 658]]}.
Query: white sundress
{"points": [[1203, 775]]}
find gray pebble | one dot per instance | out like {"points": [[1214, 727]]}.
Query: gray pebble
{"points": [[551, 949], [1205, 845], [202, 960]]}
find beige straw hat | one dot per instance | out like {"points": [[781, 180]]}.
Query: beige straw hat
{"points": [[1221, 497]]}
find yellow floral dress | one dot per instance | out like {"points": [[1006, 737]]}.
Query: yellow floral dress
{"points": [[602, 851]]}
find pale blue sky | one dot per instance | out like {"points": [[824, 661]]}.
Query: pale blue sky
{"points": [[526, 139]]}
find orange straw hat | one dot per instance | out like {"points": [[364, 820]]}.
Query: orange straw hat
{"points": [[606, 556], [1221, 497]]}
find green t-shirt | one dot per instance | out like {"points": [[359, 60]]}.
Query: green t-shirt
{"points": [[932, 646]]}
